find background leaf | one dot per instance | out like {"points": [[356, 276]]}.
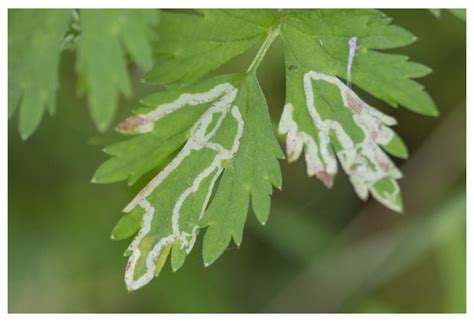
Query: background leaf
{"points": [[107, 37], [35, 38], [106, 40]]}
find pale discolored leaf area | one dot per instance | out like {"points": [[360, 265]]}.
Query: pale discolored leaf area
{"points": [[326, 118], [329, 119]]}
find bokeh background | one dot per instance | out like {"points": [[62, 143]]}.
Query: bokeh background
{"points": [[321, 251]]}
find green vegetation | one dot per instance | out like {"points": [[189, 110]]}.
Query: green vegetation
{"points": [[204, 154]]}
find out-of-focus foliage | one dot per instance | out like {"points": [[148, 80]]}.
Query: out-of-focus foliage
{"points": [[34, 45], [460, 13], [105, 40]]}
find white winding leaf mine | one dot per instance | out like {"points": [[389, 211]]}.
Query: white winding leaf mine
{"points": [[144, 123], [347, 125], [169, 201], [352, 43]]}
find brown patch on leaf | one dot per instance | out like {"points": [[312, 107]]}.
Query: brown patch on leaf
{"points": [[291, 140], [354, 104], [131, 123], [373, 135], [384, 166], [326, 178]]}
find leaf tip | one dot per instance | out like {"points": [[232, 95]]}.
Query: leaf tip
{"points": [[404, 153], [435, 113], [135, 124], [398, 209], [326, 177], [25, 135], [102, 126]]}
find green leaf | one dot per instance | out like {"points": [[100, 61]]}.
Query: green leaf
{"points": [[127, 226], [326, 118], [435, 12], [317, 40], [107, 37], [35, 38], [212, 144], [193, 45], [459, 13], [134, 157], [231, 137], [250, 176]]}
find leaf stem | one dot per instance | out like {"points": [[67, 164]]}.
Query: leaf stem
{"points": [[263, 49]]}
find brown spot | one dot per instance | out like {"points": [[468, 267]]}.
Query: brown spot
{"points": [[354, 104], [384, 166], [129, 263], [131, 123], [373, 135], [326, 178], [291, 145]]}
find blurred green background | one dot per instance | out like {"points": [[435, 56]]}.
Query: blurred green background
{"points": [[321, 251]]}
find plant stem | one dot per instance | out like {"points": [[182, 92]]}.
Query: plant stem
{"points": [[263, 49]]}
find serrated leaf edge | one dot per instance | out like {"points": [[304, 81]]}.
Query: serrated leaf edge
{"points": [[199, 139]]}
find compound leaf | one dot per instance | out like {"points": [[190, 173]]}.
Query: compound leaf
{"points": [[211, 141], [227, 135]]}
